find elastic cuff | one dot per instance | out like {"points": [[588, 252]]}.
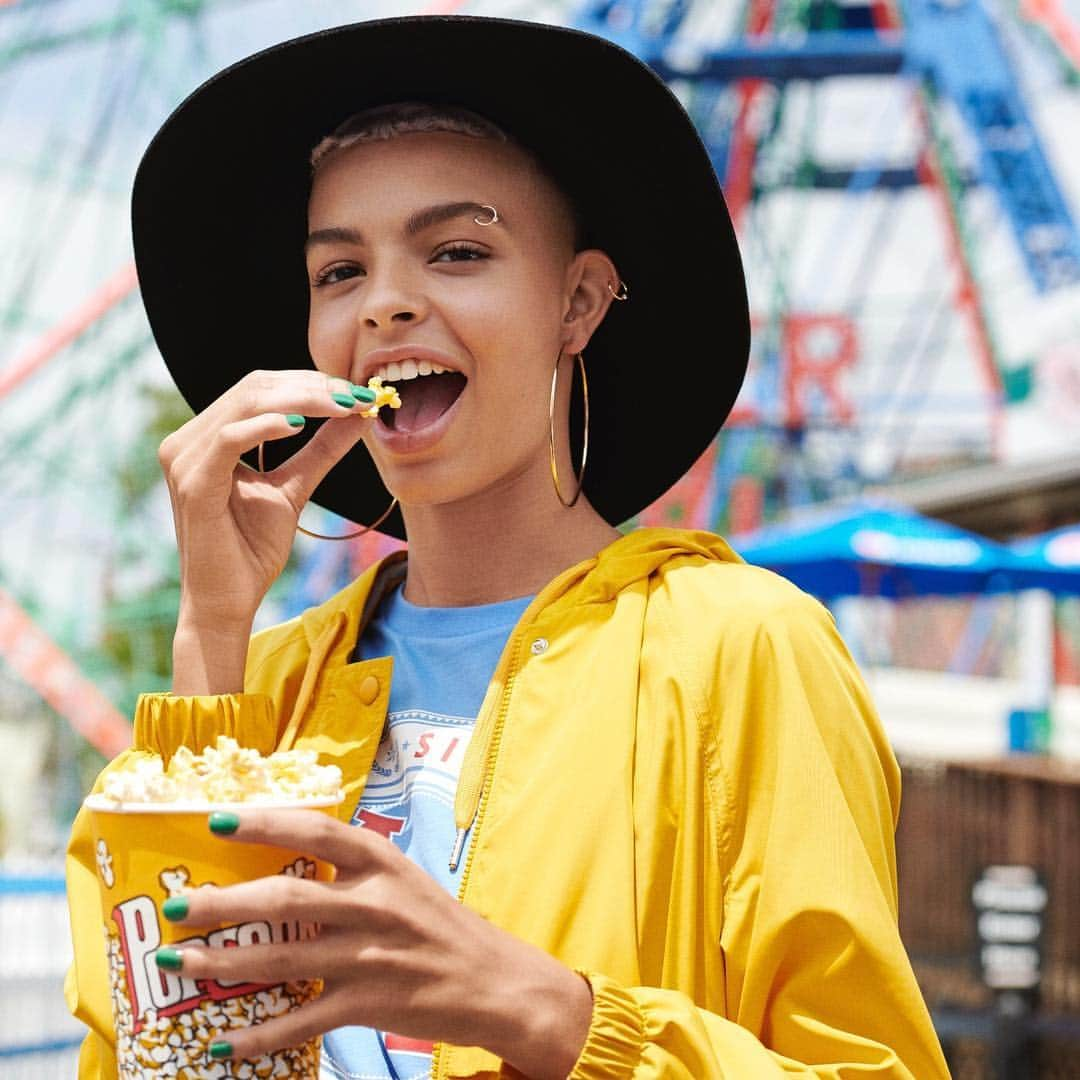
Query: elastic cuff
{"points": [[616, 1039], [163, 723]]}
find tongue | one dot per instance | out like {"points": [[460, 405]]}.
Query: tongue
{"points": [[424, 400]]}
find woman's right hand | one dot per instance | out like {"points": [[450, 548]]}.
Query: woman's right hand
{"points": [[235, 526]]}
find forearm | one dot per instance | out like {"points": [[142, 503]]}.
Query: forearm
{"points": [[209, 661]]}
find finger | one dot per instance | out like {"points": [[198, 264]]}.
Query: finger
{"points": [[305, 470], [309, 831], [280, 900], [260, 963], [285, 393], [234, 439], [325, 1013], [311, 393], [307, 393], [207, 467]]}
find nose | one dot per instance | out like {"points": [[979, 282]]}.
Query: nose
{"points": [[387, 299], [375, 321]]}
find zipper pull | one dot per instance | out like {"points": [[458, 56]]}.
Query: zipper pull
{"points": [[459, 846]]}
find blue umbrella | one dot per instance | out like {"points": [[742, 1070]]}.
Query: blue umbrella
{"points": [[1048, 561], [876, 549]]}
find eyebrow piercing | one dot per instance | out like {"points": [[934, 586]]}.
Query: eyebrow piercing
{"points": [[623, 293], [491, 221]]}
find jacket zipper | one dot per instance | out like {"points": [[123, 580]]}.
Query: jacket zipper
{"points": [[478, 817]]}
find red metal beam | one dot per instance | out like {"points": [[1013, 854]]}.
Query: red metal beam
{"points": [[47, 669], [885, 15], [742, 150], [68, 329], [967, 299], [1054, 19]]}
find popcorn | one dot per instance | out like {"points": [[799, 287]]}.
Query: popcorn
{"points": [[224, 773], [384, 395], [179, 1046], [152, 843]]}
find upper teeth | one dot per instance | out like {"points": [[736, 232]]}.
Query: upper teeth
{"points": [[406, 370]]}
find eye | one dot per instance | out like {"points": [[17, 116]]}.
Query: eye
{"points": [[459, 251], [332, 275]]}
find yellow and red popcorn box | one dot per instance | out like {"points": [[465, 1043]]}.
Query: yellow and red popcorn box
{"points": [[165, 1022]]}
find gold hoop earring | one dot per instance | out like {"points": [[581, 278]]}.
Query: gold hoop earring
{"points": [[492, 220], [623, 293], [551, 430], [348, 536]]}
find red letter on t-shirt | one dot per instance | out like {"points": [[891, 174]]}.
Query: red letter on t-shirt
{"points": [[381, 823]]}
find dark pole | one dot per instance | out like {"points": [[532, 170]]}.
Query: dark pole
{"points": [[1012, 1046]]}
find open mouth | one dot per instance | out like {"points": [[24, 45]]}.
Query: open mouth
{"points": [[424, 398]]}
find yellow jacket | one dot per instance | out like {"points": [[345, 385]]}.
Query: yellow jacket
{"points": [[677, 785]]}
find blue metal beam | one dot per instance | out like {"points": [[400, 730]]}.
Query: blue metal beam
{"points": [[817, 56], [957, 47], [953, 44], [637, 25]]}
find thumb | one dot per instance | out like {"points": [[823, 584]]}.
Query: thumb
{"points": [[305, 470]]}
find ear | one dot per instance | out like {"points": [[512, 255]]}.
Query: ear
{"points": [[588, 297]]}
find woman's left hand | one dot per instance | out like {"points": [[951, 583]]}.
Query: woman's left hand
{"points": [[396, 951]]}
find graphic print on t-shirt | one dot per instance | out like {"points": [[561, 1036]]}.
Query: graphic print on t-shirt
{"points": [[409, 799], [443, 660], [420, 756]]}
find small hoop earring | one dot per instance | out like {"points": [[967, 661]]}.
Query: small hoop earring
{"points": [[494, 216], [348, 536], [623, 293], [551, 431]]}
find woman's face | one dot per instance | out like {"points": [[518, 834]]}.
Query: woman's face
{"points": [[404, 280]]}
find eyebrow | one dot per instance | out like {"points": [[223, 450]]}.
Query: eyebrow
{"points": [[417, 223], [335, 235], [434, 215]]}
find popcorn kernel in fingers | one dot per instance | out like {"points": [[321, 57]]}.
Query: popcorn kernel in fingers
{"points": [[384, 395]]}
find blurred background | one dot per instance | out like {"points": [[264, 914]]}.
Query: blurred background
{"points": [[905, 179]]}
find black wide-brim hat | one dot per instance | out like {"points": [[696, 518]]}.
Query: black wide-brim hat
{"points": [[219, 214]]}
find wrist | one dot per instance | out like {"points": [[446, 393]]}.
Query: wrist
{"points": [[202, 620], [209, 660], [540, 1018]]}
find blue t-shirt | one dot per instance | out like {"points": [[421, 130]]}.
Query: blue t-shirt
{"points": [[443, 661]]}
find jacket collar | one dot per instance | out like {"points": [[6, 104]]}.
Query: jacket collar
{"points": [[348, 611]]}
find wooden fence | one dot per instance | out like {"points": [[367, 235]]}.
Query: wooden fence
{"points": [[957, 819]]}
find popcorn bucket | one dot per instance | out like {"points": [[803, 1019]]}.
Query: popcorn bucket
{"points": [[165, 1023]]}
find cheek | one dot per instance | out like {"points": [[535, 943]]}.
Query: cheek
{"points": [[520, 328], [330, 336], [520, 341], [516, 405]]}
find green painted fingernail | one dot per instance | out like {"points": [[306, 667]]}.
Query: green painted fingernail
{"points": [[169, 959], [175, 908], [362, 393], [295, 420], [347, 400], [223, 823], [219, 1050]]}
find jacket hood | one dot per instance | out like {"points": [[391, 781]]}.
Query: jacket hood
{"points": [[641, 553]]}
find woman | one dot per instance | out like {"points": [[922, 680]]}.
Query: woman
{"points": [[660, 792]]}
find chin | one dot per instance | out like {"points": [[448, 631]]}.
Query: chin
{"points": [[434, 483]]}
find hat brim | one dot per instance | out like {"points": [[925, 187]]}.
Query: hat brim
{"points": [[229, 170]]}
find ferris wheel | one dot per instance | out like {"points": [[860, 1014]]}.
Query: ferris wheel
{"points": [[906, 195]]}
